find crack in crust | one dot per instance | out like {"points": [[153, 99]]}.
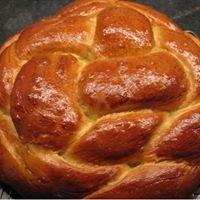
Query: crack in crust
{"points": [[101, 101]]}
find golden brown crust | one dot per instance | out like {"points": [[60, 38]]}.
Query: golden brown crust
{"points": [[136, 82], [117, 34], [101, 101], [153, 15], [68, 34], [47, 97], [185, 48], [182, 138], [154, 181], [39, 171], [9, 67], [84, 8], [116, 137]]}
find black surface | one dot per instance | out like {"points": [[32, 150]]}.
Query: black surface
{"points": [[16, 14]]}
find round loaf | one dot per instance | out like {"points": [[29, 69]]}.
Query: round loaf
{"points": [[102, 100]]}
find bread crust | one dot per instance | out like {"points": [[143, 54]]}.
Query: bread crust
{"points": [[101, 101]]}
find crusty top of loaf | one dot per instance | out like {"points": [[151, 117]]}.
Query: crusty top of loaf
{"points": [[101, 101]]}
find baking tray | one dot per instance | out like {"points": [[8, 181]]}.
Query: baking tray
{"points": [[7, 193]]}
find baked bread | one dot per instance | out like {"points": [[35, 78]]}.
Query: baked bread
{"points": [[101, 101]]}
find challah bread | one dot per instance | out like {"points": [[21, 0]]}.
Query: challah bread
{"points": [[101, 101]]}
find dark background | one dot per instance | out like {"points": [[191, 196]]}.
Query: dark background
{"points": [[16, 14]]}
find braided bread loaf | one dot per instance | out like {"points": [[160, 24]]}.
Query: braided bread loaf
{"points": [[101, 101]]}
